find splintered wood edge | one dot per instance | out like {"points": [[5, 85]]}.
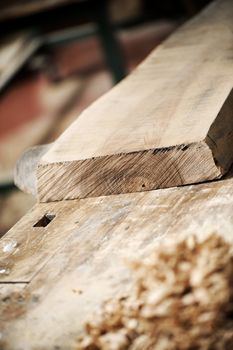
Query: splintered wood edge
{"points": [[143, 170]]}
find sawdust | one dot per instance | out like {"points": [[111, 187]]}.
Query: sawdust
{"points": [[181, 299]]}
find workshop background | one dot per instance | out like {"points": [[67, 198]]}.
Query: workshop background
{"points": [[56, 58]]}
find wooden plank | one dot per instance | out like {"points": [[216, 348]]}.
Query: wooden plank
{"points": [[13, 205], [78, 260], [19, 8], [50, 105], [169, 123], [26, 166], [15, 50]]}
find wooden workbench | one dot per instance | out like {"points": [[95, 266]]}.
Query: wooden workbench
{"points": [[60, 261], [55, 276]]}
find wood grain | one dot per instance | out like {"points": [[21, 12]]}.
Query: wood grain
{"points": [[167, 124], [66, 269], [26, 166]]}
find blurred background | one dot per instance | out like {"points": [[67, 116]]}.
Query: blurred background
{"points": [[57, 57]]}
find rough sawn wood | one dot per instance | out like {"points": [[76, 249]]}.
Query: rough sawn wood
{"points": [[169, 123]]}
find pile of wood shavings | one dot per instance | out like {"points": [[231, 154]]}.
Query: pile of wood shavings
{"points": [[182, 298]]}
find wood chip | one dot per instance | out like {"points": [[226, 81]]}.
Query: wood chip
{"points": [[181, 299]]}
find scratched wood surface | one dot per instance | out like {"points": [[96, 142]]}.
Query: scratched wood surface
{"points": [[52, 277], [169, 123]]}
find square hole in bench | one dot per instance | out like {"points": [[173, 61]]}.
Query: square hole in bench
{"points": [[45, 220]]}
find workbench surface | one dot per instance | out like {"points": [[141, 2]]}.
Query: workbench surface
{"points": [[53, 277]]}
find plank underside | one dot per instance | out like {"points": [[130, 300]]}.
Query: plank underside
{"points": [[58, 275], [167, 124]]}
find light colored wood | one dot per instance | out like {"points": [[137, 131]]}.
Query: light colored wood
{"points": [[26, 166], [15, 50], [13, 205], [70, 266], [169, 123], [55, 102]]}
